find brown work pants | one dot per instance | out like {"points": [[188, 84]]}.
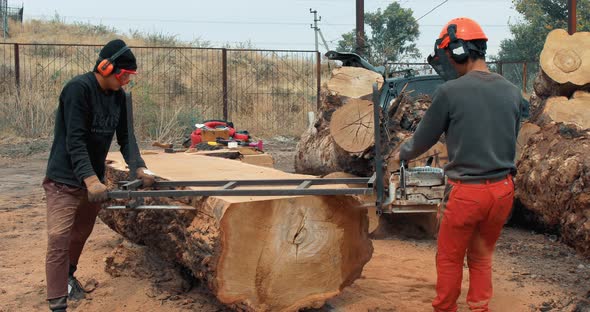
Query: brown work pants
{"points": [[70, 219]]}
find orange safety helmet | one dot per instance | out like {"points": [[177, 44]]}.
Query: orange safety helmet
{"points": [[466, 30]]}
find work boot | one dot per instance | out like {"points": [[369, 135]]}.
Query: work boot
{"points": [[58, 304], [75, 290]]}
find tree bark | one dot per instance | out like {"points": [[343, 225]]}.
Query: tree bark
{"points": [[280, 253], [527, 130], [553, 180]]}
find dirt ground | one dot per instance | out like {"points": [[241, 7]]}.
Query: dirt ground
{"points": [[532, 272]]}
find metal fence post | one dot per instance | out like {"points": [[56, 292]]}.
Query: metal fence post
{"points": [[500, 68], [524, 77], [319, 78], [17, 66], [224, 77]]}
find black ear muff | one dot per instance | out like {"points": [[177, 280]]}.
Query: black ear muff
{"points": [[107, 66], [457, 47], [459, 51]]}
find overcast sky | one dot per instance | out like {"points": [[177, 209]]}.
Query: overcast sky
{"points": [[268, 24]]}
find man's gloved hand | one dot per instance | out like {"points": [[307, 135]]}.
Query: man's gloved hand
{"points": [[97, 192], [147, 177]]}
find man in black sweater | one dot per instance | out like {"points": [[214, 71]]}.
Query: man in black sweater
{"points": [[480, 113], [91, 111]]}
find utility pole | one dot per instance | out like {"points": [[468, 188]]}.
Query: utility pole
{"points": [[315, 26], [318, 31], [360, 27], [571, 20]]}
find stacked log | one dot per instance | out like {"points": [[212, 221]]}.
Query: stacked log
{"points": [[279, 253], [553, 178], [565, 68], [342, 138], [317, 152]]}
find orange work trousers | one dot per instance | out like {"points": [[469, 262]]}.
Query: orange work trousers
{"points": [[471, 219]]}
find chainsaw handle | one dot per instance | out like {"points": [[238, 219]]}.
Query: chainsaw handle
{"points": [[402, 178]]}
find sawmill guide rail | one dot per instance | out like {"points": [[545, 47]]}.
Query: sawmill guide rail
{"points": [[229, 188]]}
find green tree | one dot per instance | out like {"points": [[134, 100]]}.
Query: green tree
{"points": [[392, 36], [539, 18]]}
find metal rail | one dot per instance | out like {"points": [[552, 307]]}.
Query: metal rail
{"points": [[228, 188]]}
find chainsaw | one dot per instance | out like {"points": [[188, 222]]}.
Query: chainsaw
{"points": [[408, 190], [415, 190]]}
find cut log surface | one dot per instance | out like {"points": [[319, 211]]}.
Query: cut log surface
{"points": [[318, 154], [553, 181], [274, 253], [566, 58], [352, 126], [364, 199], [565, 68], [575, 111], [353, 82]]}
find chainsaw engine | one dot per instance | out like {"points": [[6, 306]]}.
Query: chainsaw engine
{"points": [[416, 190]]}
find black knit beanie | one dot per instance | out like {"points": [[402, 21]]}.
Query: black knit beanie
{"points": [[124, 61]]}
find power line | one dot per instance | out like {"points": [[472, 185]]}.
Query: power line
{"points": [[173, 20], [232, 22], [436, 7]]}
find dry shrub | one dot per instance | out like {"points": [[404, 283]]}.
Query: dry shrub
{"points": [[26, 113]]}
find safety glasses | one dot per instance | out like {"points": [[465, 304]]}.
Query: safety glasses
{"points": [[124, 76]]}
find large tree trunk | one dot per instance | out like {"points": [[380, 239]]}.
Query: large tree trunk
{"points": [[553, 180], [317, 152], [276, 253]]}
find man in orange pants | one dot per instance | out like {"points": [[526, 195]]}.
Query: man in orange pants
{"points": [[479, 112]]}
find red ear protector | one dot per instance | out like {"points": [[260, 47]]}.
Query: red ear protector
{"points": [[107, 66]]}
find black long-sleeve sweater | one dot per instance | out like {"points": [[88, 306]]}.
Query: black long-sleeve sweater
{"points": [[86, 121]]}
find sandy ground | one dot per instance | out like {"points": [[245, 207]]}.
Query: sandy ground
{"points": [[532, 272]]}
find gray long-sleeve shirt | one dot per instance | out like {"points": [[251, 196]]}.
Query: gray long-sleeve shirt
{"points": [[480, 116]]}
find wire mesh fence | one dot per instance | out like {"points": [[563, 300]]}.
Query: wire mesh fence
{"points": [[520, 73], [267, 92]]}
